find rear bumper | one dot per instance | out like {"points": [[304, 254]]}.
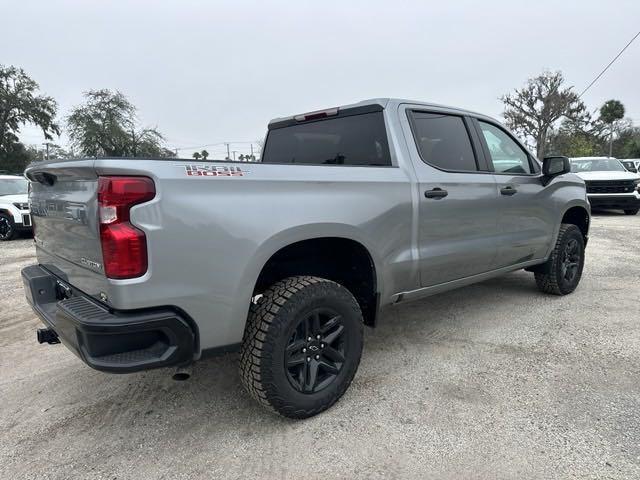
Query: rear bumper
{"points": [[109, 340], [622, 202]]}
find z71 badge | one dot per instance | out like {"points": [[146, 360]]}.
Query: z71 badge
{"points": [[214, 171]]}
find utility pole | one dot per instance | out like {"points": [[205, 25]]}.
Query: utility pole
{"points": [[228, 154], [46, 144]]}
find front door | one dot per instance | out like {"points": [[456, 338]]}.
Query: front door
{"points": [[526, 222]]}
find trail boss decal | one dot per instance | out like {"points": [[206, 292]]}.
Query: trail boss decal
{"points": [[213, 171]]}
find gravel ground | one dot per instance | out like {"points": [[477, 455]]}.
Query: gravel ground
{"points": [[491, 381]]}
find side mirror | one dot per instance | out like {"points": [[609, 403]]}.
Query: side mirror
{"points": [[554, 166]]}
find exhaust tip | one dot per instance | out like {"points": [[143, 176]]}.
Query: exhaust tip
{"points": [[182, 373], [47, 335]]}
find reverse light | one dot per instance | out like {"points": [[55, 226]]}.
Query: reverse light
{"points": [[124, 246]]}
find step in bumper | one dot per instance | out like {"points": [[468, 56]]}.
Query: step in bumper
{"points": [[106, 339]]}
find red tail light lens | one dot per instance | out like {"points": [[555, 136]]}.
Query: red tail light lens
{"points": [[124, 247]]}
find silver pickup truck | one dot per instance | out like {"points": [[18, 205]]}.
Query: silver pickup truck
{"points": [[157, 263]]}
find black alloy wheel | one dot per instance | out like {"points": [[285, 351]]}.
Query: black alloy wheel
{"points": [[315, 353], [570, 260], [7, 230]]}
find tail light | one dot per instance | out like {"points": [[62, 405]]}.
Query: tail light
{"points": [[124, 247]]}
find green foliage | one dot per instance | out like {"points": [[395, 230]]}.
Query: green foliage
{"points": [[197, 155], [533, 110], [572, 144], [20, 105], [14, 158], [592, 140], [106, 125], [611, 111], [627, 144], [204, 154]]}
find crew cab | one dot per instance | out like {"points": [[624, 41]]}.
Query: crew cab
{"points": [[14, 207], [154, 263], [609, 184]]}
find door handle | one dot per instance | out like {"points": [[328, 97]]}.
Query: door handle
{"points": [[508, 190], [436, 193]]}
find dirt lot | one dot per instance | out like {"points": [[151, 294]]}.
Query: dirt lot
{"points": [[490, 381]]}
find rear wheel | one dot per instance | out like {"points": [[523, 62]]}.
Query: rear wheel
{"points": [[632, 211], [562, 272], [7, 228], [302, 346]]}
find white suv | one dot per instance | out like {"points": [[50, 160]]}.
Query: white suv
{"points": [[609, 184], [14, 206]]}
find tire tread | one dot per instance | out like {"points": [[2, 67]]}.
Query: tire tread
{"points": [[263, 326]]}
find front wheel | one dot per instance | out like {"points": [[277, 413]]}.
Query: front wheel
{"points": [[302, 346], [562, 272], [7, 229], [632, 211]]}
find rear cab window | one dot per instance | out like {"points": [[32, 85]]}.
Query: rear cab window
{"points": [[443, 141], [356, 140]]}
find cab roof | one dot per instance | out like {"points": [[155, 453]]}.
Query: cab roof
{"points": [[369, 105]]}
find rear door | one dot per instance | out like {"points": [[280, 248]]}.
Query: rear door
{"points": [[458, 196], [526, 223]]}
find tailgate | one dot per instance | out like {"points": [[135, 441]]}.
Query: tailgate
{"points": [[64, 209]]}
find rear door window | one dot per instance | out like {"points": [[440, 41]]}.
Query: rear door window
{"points": [[443, 141], [359, 140]]}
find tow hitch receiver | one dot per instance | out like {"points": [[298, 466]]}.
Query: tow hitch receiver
{"points": [[47, 335]]}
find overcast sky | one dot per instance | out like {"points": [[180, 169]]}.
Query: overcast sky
{"points": [[205, 72]]}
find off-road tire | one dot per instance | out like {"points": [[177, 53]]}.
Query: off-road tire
{"points": [[270, 324], [550, 279], [12, 228], [632, 211]]}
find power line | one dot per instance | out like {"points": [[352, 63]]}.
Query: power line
{"points": [[214, 145], [610, 63]]}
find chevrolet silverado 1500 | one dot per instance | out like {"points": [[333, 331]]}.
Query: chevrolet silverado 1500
{"points": [[157, 263]]}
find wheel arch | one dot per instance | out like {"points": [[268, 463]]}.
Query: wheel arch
{"points": [[578, 215], [322, 250]]}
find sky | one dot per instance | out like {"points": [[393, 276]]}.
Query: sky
{"points": [[207, 72]]}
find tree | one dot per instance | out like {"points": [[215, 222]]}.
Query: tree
{"points": [[627, 142], [610, 113], [15, 158], [204, 154], [242, 157], [106, 125], [533, 110], [20, 104], [572, 141], [197, 155]]}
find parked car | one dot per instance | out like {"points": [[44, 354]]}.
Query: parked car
{"points": [[631, 164], [14, 206], [156, 263], [609, 183]]}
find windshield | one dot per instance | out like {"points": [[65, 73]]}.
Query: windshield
{"points": [[10, 186], [597, 165]]}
